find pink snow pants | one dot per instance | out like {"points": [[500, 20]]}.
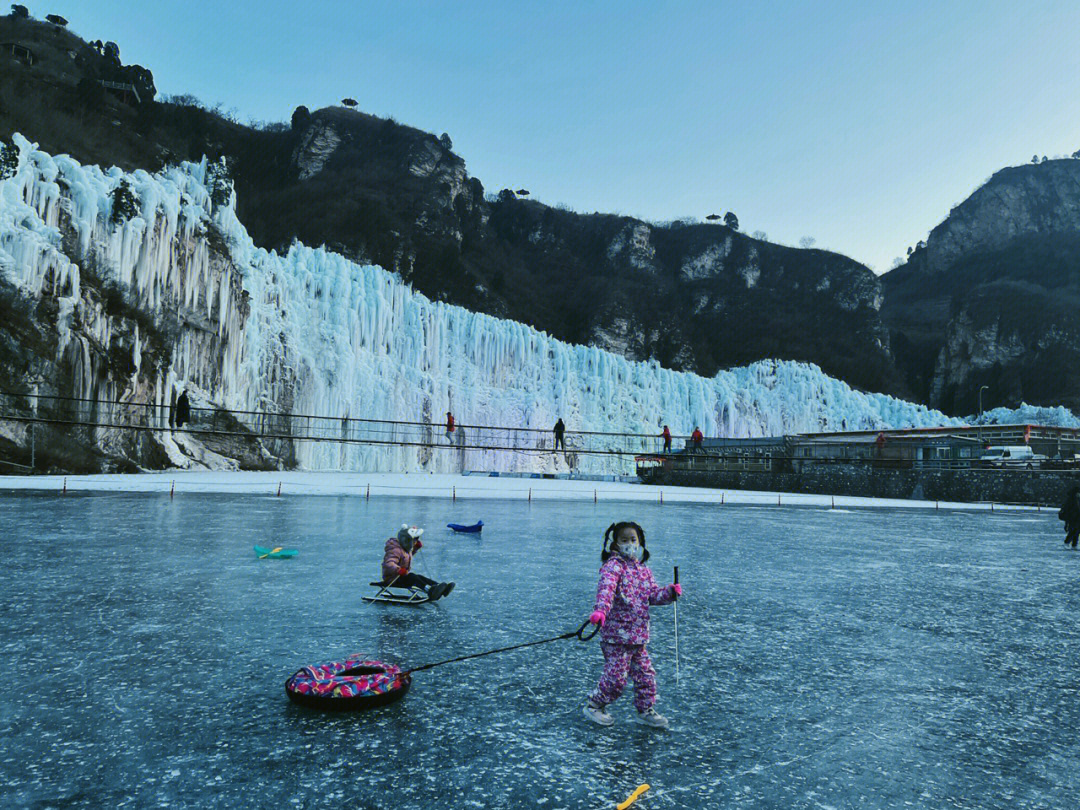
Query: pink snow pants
{"points": [[621, 660]]}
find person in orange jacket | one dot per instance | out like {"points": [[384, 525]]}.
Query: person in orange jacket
{"points": [[696, 437]]}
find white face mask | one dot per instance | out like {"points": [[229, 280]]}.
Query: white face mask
{"points": [[632, 551]]}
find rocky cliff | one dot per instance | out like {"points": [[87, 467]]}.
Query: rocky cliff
{"points": [[694, 297], [992, 298]]}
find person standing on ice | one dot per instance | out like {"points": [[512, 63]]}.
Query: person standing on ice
{"points": [[1070, 513], [623, 597], [449, 427], [397, 560], [666, 436], [560, 430]]}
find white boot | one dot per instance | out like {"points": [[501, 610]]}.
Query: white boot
{"points": [[598, 714], [652, 718]]}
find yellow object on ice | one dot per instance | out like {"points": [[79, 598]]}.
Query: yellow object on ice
{"points": [[633, 797]]}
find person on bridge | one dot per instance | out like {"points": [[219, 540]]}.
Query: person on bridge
{"points": [[666, 436], [397, 560], [180, 412], [1070, 513], [560, 437], [449, 427], [696, 437]]}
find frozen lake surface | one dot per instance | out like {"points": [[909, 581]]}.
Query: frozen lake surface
{"points": [[829, 658]]}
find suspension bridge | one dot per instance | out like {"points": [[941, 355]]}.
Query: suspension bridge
{"points": [[83, 414]]}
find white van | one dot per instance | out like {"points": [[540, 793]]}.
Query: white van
{"points": [[1016, 455]]}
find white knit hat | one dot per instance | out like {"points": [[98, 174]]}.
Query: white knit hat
{"points": [[407, 532]]}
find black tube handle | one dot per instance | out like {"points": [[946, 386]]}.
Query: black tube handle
{"points": [[581, 631], [676, 579]]}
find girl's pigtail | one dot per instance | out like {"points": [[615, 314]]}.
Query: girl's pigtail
{"points": [[605, 552]]}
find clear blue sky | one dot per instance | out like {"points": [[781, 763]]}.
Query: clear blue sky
{"points": [[858, 123]]}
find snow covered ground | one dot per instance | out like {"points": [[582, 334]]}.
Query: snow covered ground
{"points": [[445, 486]]}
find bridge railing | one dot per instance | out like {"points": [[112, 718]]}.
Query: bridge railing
{"points": [[75, 412]]}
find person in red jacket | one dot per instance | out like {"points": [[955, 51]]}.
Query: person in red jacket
{"points": [[666, 436], [449, 427], [696, 438], [397, 560]]}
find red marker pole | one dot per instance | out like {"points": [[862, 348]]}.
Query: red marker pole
{"points": [[676, 606]]}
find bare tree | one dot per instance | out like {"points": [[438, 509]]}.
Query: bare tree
{"points": [[807, 242]]}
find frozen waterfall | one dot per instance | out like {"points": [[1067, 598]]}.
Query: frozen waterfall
{"points": [[311, 332]]}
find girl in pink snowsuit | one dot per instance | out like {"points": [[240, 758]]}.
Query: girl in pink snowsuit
{"points": [[624, 594]]}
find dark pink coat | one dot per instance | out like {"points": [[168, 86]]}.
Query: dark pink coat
{"points": [[624, 594]]}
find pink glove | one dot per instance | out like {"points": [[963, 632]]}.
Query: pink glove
{"points": [[597, 617], [417, 545], [402, 572], [677, 588]]}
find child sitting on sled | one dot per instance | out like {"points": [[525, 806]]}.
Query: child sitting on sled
{"points": [[624, 594], [397, 560]]}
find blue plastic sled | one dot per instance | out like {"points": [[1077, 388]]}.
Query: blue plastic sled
{"points": [[476, 528]]}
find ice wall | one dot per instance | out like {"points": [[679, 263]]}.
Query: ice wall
{"points": [[1028, 415], [313, 333]]}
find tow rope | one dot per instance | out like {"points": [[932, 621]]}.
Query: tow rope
{"points": [[579, 634]]}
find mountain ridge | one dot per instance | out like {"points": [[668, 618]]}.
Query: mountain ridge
{"points": [[693, 297], [985, 301], [990, 300]]}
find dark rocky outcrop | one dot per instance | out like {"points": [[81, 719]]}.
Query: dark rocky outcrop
{"points": [[994, 296]]}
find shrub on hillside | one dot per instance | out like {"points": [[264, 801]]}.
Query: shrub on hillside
{"points": [[125, 203], [219, 180], [9, 160]]}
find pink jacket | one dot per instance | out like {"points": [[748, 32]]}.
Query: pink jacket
{"points": [[395, 557], [624, 594]]}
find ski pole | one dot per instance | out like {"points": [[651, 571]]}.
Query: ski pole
{"points": [[385, 588], [676, 627]]}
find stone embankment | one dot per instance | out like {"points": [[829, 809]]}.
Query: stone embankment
{"points": [[1033, 487]]}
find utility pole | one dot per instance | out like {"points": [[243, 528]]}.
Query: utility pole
{"points": [[981, 389], [33, 433]]}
